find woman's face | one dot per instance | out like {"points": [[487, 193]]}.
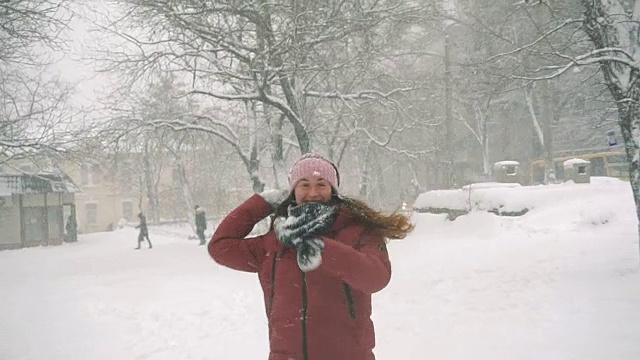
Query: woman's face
{"points": [[312, 189]]}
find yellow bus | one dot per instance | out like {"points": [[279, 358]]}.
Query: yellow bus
{"points": [[609, 163]]}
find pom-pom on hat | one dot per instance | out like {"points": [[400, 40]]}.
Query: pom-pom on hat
{"points": [[313, 164]]}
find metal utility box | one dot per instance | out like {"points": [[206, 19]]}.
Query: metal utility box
{"points": [[506, 172], [577, 170]]}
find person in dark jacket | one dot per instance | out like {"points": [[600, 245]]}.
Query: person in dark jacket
{"points": [[201, 224], [318, 265], [144, 231], [72, 229]]}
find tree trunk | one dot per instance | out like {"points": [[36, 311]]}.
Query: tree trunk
{"points": [[365, 177], [629, 114], [253, 163], [613, 24], [546, 111], [450, 179], [149, 188], [187, 194], [539, 112], [277, 150], [486, 165]]}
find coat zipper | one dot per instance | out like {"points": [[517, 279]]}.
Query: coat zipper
{"points": [[350, 304], [305, 355], [273, 282]]}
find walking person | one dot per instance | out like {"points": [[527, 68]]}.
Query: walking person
{"points": [[144, 231], [201, 224], [318, 265]]}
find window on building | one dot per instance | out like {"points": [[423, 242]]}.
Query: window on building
{"points": [[90, 174], [125, 175], [96, 175], [91, 211], [582, 169], [597, 166], [85, 177], [617, 159], [127, 210]]}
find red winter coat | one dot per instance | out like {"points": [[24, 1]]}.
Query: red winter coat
{"points": [[323, 314]]}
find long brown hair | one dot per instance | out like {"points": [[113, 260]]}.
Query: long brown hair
{"points": [[391, 226]]}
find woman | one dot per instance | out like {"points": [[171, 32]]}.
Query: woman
{"points": [[318, 265]]}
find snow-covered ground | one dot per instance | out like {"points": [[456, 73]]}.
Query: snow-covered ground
{"points": [[560, 282]]}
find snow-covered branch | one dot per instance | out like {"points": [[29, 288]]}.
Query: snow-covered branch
{"points": [[537, 41], [362, 95], [594, 57]]}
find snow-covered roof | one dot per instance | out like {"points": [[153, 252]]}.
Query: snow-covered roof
{"points": [[35, 184], [500, 164], [569, 163], [490, 185]]}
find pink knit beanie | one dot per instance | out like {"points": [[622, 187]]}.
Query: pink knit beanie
{"points": [[313, 164]]}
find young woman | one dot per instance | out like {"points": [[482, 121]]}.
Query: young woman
{"points": [[318, 265]]}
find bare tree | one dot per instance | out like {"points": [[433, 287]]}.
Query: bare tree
{"points": [[280, 59], [35, 116], [34, 112], [28, 24], [510, 49]]}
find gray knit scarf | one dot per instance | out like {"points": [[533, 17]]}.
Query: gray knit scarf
{"points": [[302, 229], [305, 221]]}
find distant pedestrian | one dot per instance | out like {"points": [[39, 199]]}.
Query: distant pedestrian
{"points": [[201, 224], [72, 229], [144, 231]]}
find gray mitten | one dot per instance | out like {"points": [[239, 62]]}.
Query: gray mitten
{"points": [[274, 197], [281, 227], [310, 254]]}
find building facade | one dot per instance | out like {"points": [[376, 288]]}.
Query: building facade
{"points": [[34, 208]]}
